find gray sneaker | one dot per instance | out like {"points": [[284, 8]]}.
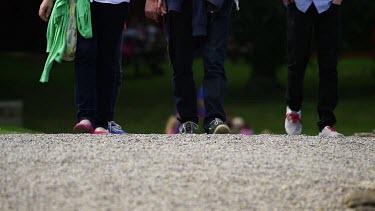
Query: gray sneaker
{"points": [[217, 126], [329, 131], [293, 122], [188, 128]]}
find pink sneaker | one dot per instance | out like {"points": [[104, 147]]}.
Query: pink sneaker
{"points": [[83, 128], [100, 131]]}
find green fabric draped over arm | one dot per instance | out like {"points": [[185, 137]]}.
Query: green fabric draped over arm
{"points": [[56, 32], [57, 27], [84, 18]]}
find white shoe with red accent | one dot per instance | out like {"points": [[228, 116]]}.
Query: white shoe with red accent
{"points": [[293, 122], [329, 131]]}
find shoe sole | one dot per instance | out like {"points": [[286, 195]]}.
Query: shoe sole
{"points": [[82, 129], [293, 133], [222, 129], [100, 133], [331, 136], [117, 133]]}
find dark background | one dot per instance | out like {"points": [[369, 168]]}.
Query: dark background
{"points": [[257, 56]]}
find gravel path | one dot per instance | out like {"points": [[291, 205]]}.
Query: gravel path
{"points": [[183, 172]]}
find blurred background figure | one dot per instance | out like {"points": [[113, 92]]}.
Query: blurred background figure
{"points": [[142, 47], [172, 125], [239, 126], [200, 101], [266, 131]]}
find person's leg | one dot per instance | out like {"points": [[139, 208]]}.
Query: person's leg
{"points": [[85, 74], [299, 35], [181, 51], [113, 127], [111, 20], [327, 32], [214, 49], [118, 77]]}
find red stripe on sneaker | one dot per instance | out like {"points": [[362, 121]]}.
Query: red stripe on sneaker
{"points": [[295, 117], [331, 128]]}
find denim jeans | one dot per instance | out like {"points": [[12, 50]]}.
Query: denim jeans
{"points": [[98, 71], [182, 47], [324, 27]]}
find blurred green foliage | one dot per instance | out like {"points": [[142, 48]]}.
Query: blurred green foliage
{"points": [[358, 25], [146, 103]]}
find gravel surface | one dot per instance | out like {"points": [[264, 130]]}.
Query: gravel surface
{"points": [[183, 172]]}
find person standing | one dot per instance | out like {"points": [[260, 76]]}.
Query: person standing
{"points": [[307, 19], [98, 71], [189, 24]]}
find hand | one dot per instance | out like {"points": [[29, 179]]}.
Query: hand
{"points": [[338, 2], [154, 8], [45, 9], [162, 9]]}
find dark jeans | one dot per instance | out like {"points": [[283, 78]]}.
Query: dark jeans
{"points": [[300, 29], [182, 46], [98, 72]]}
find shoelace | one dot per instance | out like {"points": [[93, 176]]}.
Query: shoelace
{"points": [[215, 122], [114, 126], [188, 127], [294, 117], [331, 128]]}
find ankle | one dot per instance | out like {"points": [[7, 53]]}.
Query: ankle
{"points": [[289, 110]]}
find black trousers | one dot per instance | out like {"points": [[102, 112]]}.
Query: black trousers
{"points": [[98, 72], [182, 45], [301, 28]]}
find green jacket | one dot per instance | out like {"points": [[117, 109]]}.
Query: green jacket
{"points": [[57, 27]]}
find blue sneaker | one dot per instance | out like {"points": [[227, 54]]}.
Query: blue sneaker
{"points": [[115, 128]]}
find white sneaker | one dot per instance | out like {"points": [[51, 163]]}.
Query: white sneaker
{"points": [[293, 122], [329, 131]]}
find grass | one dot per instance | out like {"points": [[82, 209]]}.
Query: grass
{"points": [[146, 103], [15, 130]]}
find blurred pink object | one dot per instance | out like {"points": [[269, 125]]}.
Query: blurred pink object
{"points": [[246, 131]]}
